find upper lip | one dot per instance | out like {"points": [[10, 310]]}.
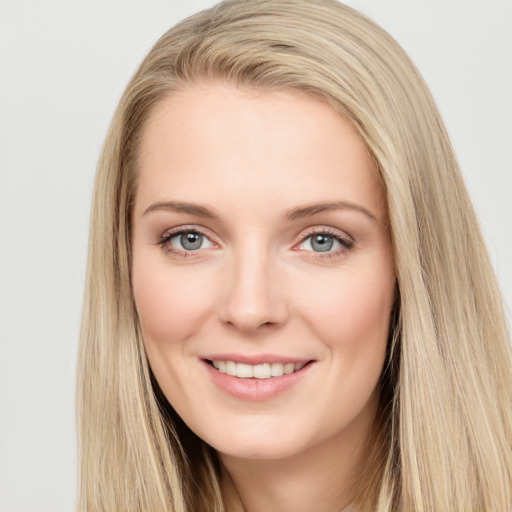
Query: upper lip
{"points": [[256, 358]]}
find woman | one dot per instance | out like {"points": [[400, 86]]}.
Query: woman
{"points": [[289, 305]]}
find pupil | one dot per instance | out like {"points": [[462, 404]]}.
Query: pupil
{"points": [[322, 243], [191, 241]]}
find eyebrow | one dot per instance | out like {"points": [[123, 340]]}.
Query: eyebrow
{"points": [[308, 210], [182, 207], [295, 213]]}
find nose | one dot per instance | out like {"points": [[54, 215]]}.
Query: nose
{"points": [[253, 296]]}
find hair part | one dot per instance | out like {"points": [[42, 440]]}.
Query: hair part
{"points": [[443, 435]]}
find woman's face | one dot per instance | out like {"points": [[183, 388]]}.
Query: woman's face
{"points": [[260, 248]]}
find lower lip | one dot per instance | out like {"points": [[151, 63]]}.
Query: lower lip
{"points": [[253, 389]]}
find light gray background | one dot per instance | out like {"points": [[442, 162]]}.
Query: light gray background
{"points": [[63, 66]]}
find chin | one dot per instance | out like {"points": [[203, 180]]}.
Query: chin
{"points": [[259, 441], [259, 449]]}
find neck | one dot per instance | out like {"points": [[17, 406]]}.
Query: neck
{"points": [[323, 477]]}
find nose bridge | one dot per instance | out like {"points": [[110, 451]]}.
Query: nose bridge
{"points": [[253, 296]]}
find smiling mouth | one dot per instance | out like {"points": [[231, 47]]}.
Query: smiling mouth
{"points": [[257, 371]]}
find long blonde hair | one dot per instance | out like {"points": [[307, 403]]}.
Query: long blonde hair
{"points": [[445, 428]]}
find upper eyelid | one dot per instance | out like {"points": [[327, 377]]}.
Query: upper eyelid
{"points": [[171, 232], [345, 243], [335, 232]]}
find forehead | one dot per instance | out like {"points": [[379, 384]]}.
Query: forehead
{"points": [[247, 145]]}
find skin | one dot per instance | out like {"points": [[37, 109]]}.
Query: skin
{"points": [[258, 286]]}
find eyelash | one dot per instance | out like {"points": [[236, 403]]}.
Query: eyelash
{"points": [[345, 242], [166, 238]]}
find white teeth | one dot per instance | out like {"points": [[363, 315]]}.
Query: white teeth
{"points": [[258, 371], [288, 368], [244, 370], [277, 369], [262, 371], [230, 368]]}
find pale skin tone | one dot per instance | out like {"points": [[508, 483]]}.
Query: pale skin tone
{"points": [[260, 228]]}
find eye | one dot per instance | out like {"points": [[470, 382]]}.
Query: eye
{"points": [[185, 241], [190, 241], [325, 242]]}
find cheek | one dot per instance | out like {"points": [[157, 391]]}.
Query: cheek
{"points": [[351, 317], [170, 303], [355, 308]]}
